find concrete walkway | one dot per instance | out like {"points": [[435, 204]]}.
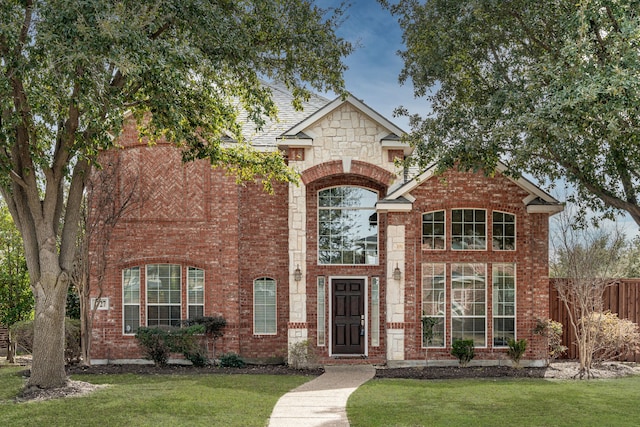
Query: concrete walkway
{"points": [[323, 400]]}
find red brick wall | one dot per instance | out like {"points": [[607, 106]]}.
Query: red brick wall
{"points": [[264, 249], [190, 215], [461, 190]]}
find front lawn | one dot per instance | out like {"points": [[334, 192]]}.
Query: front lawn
{"points": [[152, 400], [534, 402]]}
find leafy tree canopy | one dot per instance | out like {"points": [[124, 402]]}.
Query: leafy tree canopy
{"points": [[16, 299], [71, 69], [551, 88]]}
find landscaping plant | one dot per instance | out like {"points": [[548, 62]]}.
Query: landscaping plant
{"points": [[552, 331], [516, 350], [463, 350]]}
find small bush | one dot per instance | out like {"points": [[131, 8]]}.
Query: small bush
{"points": [[187, 342], [552, 331], [301, 355], [213, 325], [72, 349], [614, 337], [156, 344], [516, 350], [231, 360], [463, 350]]}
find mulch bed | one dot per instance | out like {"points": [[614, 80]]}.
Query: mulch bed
{"points": [[452, 372], [448, 372]]}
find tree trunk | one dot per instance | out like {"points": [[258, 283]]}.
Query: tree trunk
{"points": [[86, 321], [48, 365], [11, 348]]}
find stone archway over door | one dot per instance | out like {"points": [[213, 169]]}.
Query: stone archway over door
{"points": [[348, 317]]}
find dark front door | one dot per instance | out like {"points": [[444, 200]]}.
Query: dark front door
{"points": [[348, 316]]}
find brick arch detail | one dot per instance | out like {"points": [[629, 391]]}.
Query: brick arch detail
{"points": [[334, 167]]}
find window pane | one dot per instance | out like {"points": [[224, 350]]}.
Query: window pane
{"points": [[433, 230], [164, 294], [264, 306], [468, 302], [504, 303], [433, 303], [347, 226], [131, 319], [131, 285], [468, 229], [504, 231]]}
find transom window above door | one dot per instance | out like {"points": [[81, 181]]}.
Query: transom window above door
{"points": [[347, 226]]}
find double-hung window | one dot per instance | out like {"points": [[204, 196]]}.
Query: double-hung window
{"points": [[164, 294], [195, 292], [131, 300]]}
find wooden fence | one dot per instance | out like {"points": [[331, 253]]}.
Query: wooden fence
{"points": [[621, 297]]}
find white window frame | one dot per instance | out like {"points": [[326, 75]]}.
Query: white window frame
{"points": [[428, 272], [190, 282], [503, 225], [324, 208], [163, 304], [266, 330], [469, 239], [434, 237], [459, 305], [496, 299], [126, 304]]}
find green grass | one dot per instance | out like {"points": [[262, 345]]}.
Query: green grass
{"points": [[162, 400], [388, 402]]}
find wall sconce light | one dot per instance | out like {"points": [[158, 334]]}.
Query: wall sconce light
{"points": [[397, 274], [297, 274]]}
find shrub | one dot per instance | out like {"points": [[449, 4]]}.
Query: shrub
{"points": [[72, 348], [552, 331], [301, 355], [463, 350], [614, 337], [187, 342], [22, 333], [156, 344], [231, 360], [516, 350]]}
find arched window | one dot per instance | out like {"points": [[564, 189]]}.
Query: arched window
{"points": [[347, 226]]}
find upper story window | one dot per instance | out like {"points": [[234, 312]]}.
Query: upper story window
{"points": [[347, 226], [433, 230], [468, 229], [504, 231]]}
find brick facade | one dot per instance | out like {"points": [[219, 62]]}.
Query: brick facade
{"points": [[194, 216]]}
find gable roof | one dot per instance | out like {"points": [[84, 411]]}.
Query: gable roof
{"points": [[288, 116], [295, 136], [538, 200]]}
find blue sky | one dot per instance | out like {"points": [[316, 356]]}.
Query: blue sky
{"points": [[374, 66]]}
